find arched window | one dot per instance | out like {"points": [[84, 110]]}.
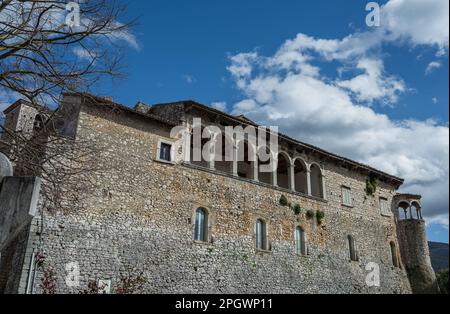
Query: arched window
{"points": [[261, 238], [265, 158], [38, 123], [352, 248], [300, 241], [316, 181], [394, 254], [200, 155], [246, 158], [300, 174], [224, 151], [283, 171], [201, 225], [405, 206]]}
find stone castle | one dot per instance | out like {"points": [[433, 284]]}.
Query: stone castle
{"points": [[320, 223]]}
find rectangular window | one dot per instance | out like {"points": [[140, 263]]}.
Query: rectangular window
{"points": [[346, 196], [165, 152], [384, 207]]}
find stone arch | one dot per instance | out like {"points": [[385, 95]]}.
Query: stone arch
{"points": [[246, 159], [224, 153], [264, 176], [197, 156], [416, 205], [39, 123], [300, 175], [283, 171], [405, 206], [316, 180]]}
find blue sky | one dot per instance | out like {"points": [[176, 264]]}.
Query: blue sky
{"points": [[258, 57], [378, 95]]}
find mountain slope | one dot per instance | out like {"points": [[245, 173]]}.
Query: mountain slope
{"points": [[439, 255]]}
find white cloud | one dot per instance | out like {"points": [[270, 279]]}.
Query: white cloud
{"points": [[420, 22], [288, 90], [435, 100], [432, 66], [373, 84], [189, 78], [220, 105], [84, 54]]}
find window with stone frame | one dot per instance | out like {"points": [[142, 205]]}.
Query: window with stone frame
{"points": [[384, 207], [261, 234], [353, 253], [165, 151], [347, 196], [300, 241], [201, 225]]}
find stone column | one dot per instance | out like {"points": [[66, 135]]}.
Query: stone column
{"points": [[275, 178], [292, 178], [212, 156], [187, 144], [255, 165], [308, 181], [235, 160], [324, 189]]}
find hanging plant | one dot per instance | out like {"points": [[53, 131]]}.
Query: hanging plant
{"points": [[297, 209], [371, 185], [310, 214], [320, 215], [284, 201]]}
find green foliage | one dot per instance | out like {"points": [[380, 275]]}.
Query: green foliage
{"points": [[371, 185], [442, 279], [320, 215], [310, 214], [297, 209], [284, 201]]}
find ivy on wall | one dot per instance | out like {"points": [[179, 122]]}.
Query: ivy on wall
{"points": [[371, 185]]}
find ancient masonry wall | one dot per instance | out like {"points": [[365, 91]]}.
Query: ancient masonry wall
{"points": [[416, 256], [140, 218]]}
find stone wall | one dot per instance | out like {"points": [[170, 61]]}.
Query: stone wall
{"points": [[416, 256], [140, 218]]}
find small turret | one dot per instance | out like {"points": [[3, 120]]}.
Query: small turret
{"points": [[411, 230]]}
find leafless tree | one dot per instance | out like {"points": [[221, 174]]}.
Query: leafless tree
{"points": [[46, 51]]}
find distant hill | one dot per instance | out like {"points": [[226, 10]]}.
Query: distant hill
{"points": [[439, 255]]}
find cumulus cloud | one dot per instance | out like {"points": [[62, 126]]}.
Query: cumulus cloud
{"points": [[220, 105], [373, 84], [420, 22], [432, 66], [288, 89]]}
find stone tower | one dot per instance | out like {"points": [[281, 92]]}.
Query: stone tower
{"points": [[411, 230], [21, 117]]}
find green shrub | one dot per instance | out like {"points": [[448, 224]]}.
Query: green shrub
{"points": [[442, 279], [297, 209], [310, 214], [371, 185], [320, 215], [283, 201]]}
